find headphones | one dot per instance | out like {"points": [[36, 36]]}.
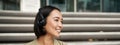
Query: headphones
{"points": [[42, 22]]}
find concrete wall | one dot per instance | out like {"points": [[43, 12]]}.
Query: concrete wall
{"points": [[30, 5]]}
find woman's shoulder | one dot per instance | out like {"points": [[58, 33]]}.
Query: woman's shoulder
{"points": [[34, 42], [58, 42]]}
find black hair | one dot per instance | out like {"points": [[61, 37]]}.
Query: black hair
{"points": [[40, 20]]}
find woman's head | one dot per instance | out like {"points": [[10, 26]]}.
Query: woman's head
{"points": [[48, 21]]}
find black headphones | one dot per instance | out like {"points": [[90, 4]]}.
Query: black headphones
{"points": [[42, 21]]}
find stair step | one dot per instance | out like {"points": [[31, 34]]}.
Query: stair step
{"points": [[77, 43], [18, 13], [91, 27], [66, 20], [92, 14], [64, 36], [83, 14], [77, 20], [89, 35], [95, 43], [67, 27], [16, 20]]}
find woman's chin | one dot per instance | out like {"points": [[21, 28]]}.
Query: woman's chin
{"points": [[57, 35]]}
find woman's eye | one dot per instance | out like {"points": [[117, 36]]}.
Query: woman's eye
{"points": [[61, 21], [56, 19]]}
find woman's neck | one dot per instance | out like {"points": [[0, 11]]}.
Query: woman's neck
{"points": [[46, 40]]}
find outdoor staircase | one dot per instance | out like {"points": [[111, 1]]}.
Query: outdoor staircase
{"points": [[16, 28]]}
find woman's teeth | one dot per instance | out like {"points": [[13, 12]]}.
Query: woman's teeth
{"points": [[58, 31]]}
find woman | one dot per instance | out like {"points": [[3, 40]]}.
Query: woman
{"points": [[47, 26]]}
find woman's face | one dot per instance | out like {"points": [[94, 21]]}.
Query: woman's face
{"points": [[54, 23]]}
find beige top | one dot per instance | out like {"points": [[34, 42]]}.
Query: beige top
{"points": [[56, 42]]}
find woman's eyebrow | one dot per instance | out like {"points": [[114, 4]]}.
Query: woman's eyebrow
{"points": [[58, 18]]}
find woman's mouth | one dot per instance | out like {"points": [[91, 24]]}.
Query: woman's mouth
{"points": [[58, 31]]}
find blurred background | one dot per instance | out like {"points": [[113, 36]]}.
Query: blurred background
{"points": [[85, 22]]}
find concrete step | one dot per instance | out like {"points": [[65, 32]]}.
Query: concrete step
{"points": [[82, 20], [70, 14], [66, 36], [18, 13], [95, 43], [67, 27], [16, 20], [77, 43], [92, 14], [66, 20]]}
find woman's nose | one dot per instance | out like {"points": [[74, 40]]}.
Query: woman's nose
{"points": [[60, 25]]}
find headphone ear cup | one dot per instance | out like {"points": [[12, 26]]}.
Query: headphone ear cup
{"points": [[42, 23]]}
